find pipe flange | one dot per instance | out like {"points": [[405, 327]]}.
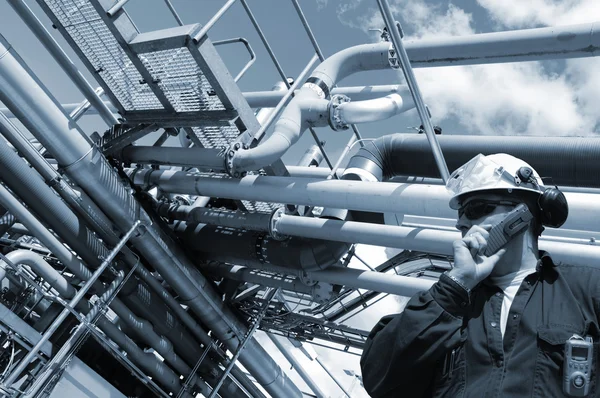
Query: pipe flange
{"points": [[335, 117], [322, 292], [230, 155], [393, 57], [275, 217], [305, 278]]}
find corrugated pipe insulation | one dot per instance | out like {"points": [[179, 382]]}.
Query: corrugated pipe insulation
{"points": [[569, 161]]}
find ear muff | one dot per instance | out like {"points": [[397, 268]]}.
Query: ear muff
{"points": [[553, 205]]}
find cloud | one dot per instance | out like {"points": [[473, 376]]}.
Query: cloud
{"points": [[531, 13], [528, 98]]}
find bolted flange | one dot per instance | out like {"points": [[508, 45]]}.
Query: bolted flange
{"points": [[335, 118]]}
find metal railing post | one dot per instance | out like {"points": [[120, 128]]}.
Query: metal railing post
{"points": [[212, 21], [74, 301], [394, 30]]}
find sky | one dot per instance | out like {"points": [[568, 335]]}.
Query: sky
{"points": [[550, 98]]}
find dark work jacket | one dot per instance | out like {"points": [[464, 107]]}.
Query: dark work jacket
{"points": [[443, 346]]}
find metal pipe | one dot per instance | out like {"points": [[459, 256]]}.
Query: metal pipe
{"points": [[248, 336], [86, 166], [263, 38], [212, 21], [116, 8], [373, 110], [556, 42], [414, 199], [297, 365], [84, 106], [63, 60], [333, 377], [248, 48], [74, 301], [174, 12], [394, 29], [206, 158], [284, 129]]}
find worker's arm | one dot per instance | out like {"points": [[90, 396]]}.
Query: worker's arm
{"points": [[403, 350]]}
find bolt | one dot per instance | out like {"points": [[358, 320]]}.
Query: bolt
{"points": [[237, 145]]}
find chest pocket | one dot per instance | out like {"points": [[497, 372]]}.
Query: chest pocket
{"points": [[450, 377], [551, 360]]}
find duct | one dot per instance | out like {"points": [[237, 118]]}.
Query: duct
{"points": [[413, 199], [229, 245], [87, 167], [568, 160], [296, 118]]}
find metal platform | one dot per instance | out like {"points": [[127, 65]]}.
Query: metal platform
{"points": [[164, 79]]}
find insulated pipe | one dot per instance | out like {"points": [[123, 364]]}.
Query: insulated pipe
{"points": [[413, 199], [64, 288], [89, 169], [270, 99], [568, 160], [294, 120], [228, 245], [558, 42], [41, 268], [30, 187], [207, 158], [78, 201], [246, 274], [373, 110]]}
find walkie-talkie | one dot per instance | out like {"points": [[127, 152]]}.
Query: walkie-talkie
{"points": [[501, 233]]}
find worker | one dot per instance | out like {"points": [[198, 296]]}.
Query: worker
{"points": [[501, 323]]}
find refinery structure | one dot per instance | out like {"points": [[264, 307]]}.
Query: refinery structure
{"points": [[142, 259]]}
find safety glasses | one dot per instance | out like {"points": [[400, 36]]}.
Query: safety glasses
{"points": [[477, 208]]}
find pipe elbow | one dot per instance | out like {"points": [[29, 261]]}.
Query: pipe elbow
{"points": [[372, 110]]}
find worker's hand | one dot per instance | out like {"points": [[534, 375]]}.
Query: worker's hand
{"points": [[471, 266]]}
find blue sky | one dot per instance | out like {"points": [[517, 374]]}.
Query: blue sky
{"points": [[533, 98]]}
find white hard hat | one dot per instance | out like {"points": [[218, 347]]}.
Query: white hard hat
{"points": [[484, 173]]}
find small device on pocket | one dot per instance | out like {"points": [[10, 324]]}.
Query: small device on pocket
{"points": [[514, 222], [577, 367]]}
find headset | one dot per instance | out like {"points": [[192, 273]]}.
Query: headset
{"points": [[552, 203]]}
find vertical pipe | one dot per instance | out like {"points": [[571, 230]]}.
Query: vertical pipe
{"points": [[63, 59], [394, 29]]}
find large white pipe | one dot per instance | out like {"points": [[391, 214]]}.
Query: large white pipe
{"points": [[413, 199], [419, 239], [356, 112]]}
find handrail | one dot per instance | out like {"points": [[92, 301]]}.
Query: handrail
{"points": [[248, 47], [212, 21]]}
